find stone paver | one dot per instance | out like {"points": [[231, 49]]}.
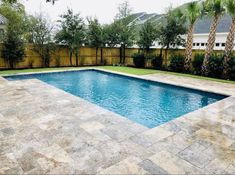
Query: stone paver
{"points": [[44, 130], [173, 164]]}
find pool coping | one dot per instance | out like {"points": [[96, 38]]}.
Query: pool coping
{"points": [[141, 77]]}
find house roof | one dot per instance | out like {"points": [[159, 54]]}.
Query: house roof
{"points": [[203, 25]]}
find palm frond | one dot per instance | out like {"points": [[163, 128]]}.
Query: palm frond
{"points": [[230, 7]]}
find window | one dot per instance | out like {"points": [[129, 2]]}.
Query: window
{"points": [[198, 44], [217, 44], [203, 44], [194, 44], [223, 44]]}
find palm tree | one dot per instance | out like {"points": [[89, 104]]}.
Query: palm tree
{"points": [[192, 13], [230, 8], [215, 9]]}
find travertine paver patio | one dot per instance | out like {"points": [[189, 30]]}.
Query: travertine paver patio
{"points": [[46, 130]]}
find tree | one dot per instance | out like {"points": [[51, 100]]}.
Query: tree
{"points": [[147, 35], [192, 13], [13, 39], [111, 34], [41, 38], [230, 8], [126, 37], [95, 35], [124, 10], [125, 29], [215, 9], [170, 31], [72, 33]]}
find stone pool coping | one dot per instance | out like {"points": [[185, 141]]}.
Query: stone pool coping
{"points": [[47, 130]]}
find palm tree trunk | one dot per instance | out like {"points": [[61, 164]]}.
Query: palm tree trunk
{"points": [[228, 49], [210, 45], [189, 49]]}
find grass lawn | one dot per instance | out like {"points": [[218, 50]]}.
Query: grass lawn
{"points": [[128, 70], [136, 71]]}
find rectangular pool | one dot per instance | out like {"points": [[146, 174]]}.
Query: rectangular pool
{"points": [[146, 102]]}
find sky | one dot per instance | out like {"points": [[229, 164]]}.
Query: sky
{"points": [[104, 10]]}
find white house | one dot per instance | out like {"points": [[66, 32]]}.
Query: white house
{"points": [[200, 41]]}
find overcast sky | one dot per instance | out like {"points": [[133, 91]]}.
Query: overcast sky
{"points": [[104, 10]]}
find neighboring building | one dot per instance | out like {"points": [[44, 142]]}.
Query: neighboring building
{"points": [[200, 41], [201, 33]]}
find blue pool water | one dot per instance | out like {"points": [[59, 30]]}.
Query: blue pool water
{"points": [[148, 103]]}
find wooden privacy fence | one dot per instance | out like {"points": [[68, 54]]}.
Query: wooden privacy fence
{"points": [[87, 57]]}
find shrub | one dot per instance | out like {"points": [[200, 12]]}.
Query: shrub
{"points": [[156, 61], [197, 63], [215, 66], [139, 60], [232, 68], [13, 49], [177, 63]]}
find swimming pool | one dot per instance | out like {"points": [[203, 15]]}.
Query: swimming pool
{"points": [[146, 102]]}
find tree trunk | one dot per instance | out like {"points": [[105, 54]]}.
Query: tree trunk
{"points": [[166, 55], [76, 55], [210, 45], [96, 55], [228, 49], [70, 57], [124, 55], [101, 56], [43, 59], [120, 61], [161, 52], [189, 49], [11, 64], [47, 58]]}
